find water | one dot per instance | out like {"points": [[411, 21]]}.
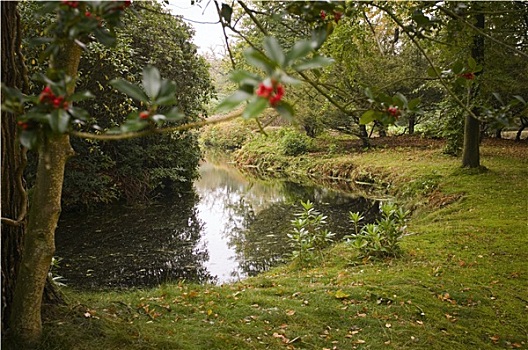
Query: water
{"points": [[228, 228]]}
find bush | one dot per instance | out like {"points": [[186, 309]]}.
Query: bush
{"points": [[294, 143], [380, 239], [308, 236]]}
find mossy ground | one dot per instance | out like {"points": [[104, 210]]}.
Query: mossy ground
{"points": [[462, 282]]}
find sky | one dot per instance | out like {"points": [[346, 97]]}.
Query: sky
{"points": [[208, 37]]}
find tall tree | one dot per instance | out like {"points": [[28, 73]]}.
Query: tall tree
{"points": [[13, 192]]}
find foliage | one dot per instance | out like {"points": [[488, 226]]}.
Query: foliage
{"points": [[308, 236], [380, 239], [134, 170], [293, 143]]}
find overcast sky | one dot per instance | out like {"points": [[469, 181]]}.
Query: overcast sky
{"points": [[208, 36]]}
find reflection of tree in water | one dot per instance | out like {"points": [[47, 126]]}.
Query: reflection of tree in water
{"points": [[138, 247], [259, 237]]}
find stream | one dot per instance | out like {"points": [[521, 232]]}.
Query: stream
{"points": [[230, 227]]}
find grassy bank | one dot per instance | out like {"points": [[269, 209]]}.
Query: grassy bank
{"points": [[462, 282]]}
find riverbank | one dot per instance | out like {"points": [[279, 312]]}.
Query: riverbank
{"points": [[460, 284]]}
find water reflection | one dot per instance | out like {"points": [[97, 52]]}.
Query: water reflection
{"points": [[227, 228]]}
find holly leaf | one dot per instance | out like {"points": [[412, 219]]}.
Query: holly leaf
{"points": [[151, 81], [256, 106], [285, 110], [129, 89], [314, 63], [274, 50], [367, 117], [29, 138], [232, 101], [258, 60], [300, 49]]}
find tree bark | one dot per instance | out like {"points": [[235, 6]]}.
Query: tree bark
{"points": [[471, 148], [13, 193], [39, 243]]}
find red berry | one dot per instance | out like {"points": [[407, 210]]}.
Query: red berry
{"points": [[144, 115], [128, 3], [57, 101], [264, 90], [393, 111], [337, 16], [468, 76], [323, 14], [87, 14]]}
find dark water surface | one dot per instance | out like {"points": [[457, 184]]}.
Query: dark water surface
{"points": [[231, 227]]}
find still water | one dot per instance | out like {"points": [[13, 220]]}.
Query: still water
{"points": [[229, 227]]}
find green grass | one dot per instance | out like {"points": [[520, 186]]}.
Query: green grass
{"points": [[462, 282]]}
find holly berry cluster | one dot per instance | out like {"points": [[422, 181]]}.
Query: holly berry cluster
{"points": [[394, 111], [73, 4], [273, 93], [337, 15], [47, 96], [468, 76]]}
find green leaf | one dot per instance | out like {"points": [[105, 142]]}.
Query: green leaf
{"points": [[458, 67], [59, 122], [472, 64], [319, 36], [232, 101], [299, 50], [399, 100], [314, 63], [174, 115], [105, 37], [242, 77], [29, 138], [256, 106], [151, 81], [413, 103], [520, 99], [258, 60], [129, 89], [274, 50], [81, 96], [498, 98], [367, 117], [369, 94], [285, 110], [79, 113]]}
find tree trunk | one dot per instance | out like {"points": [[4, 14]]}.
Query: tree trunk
{"points": [[412, 123], [471, 149], [39, 243], [13, 192]]}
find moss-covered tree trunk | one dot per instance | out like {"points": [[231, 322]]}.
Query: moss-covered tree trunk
{"points": [[471, 148], [39, 243]]}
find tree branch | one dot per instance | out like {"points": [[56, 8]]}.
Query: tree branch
{"points": [[133, 135], [480, 31]]}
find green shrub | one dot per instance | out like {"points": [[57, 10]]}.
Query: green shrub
{"points": [[308, 236], [380, 239], [294, 143]]}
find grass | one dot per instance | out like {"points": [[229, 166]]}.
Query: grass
{"points": [[462, 282]]}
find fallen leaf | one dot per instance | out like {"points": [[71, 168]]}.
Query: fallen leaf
{"points": [[341, 295], [388, 325], [495, 338], [360, 341], [290, 312]]}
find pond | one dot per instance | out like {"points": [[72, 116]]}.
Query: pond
{"points": [[229, 227]]}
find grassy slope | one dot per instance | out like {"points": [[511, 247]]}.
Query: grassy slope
{"points": [[462, 283]]}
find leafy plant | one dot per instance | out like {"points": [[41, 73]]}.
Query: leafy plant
{"points": [[308, 236], [380, 239], [294, 143]]}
